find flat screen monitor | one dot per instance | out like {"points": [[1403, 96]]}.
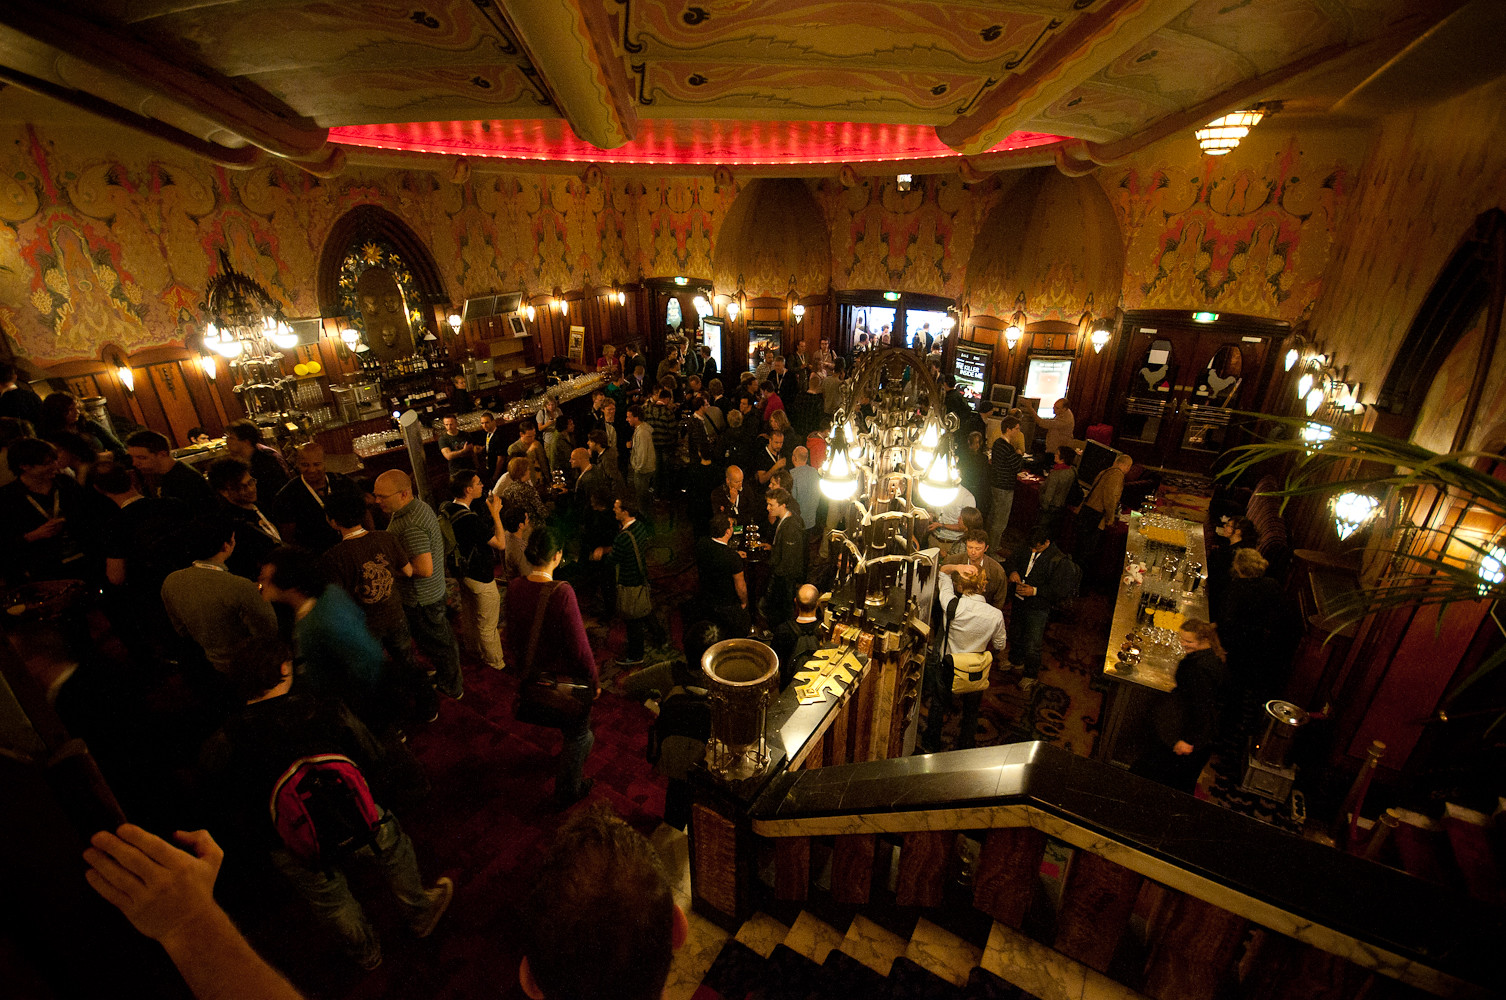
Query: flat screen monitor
{"points": [[1001, 395], [1046, 380], [711, 336], [970, 368], [1095, 458]]}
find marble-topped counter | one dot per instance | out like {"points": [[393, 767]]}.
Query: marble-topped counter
{"points": [[1373, 915], [1157, 668]]}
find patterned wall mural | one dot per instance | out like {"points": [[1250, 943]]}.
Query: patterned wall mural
{"points": [[1250, 232], [1430, 175], [110, 240], [917, 240]]}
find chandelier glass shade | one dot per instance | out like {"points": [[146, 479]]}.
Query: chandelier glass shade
{"points": [[1222, 135], [244, 319], [1352, 511]]}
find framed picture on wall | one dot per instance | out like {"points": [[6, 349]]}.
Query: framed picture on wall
{"points": [[577, 349]]}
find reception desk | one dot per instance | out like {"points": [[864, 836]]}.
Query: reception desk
{"points": [[1172, 550]]}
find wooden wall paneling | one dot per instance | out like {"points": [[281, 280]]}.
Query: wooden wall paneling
{"points": [[985, 329], [202, 396], [173, 396]]}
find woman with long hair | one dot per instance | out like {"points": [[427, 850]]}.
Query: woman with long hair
{"points": [[1184, 724], [562, 648], [63, 418]]}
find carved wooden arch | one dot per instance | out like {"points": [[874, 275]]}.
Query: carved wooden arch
{"points": [[372, 222], [1474, 278]]}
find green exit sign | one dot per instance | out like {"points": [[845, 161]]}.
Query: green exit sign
{"points": [[892, 296], [1205, 317]]}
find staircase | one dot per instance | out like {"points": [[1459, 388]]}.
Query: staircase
{"points": [[885, 953]]}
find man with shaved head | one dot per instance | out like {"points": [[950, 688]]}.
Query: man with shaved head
{"points": [[417, 527], [299, 507], [794, 641]]}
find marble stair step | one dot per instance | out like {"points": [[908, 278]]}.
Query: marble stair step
{"points": [[872, 945], [788, 975], [910, 981], [943, 953], [813, 937], [1045, 973], [763, 933]]}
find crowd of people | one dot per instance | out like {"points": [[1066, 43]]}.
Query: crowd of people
{"points": [[318, 616]]}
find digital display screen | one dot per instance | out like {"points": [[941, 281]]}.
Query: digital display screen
{"points": [[971, 370], [1046, 380], [711, 336]]}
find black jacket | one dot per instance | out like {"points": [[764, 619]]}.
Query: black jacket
{"points": [[1051, 576], [1190, 713]]}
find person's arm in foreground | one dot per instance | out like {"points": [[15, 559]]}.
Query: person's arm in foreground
{"points": [[168, 895]]}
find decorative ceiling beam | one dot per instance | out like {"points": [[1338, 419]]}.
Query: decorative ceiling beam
{"points": [[1090, 42], [238, 106], [571, 45]]}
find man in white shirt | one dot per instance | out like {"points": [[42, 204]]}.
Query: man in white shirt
{"points": [[1059, 426], [642, 459], [969, 625]]}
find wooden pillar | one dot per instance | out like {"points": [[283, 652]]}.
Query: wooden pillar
{"points": [[852, 868], [1277, 967], [1097, 901], [792, 867], [1006, 877], [923, 867], [1193, 946]]}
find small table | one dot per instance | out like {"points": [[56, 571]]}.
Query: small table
{"points": [[1132, 693]]}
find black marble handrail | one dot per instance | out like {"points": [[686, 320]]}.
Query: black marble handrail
{"points": [[1378, 906]]}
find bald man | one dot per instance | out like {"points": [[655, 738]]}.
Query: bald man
{"points": [[589, 478], [794, 641], [299, 507], [416, 527]]}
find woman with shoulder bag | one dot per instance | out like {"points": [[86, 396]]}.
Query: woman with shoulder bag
{"points": [[546, 637]]}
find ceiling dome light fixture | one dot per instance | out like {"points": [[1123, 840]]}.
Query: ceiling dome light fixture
{"points": [[1222, 135]]}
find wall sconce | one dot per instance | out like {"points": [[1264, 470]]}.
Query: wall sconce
{"points": [[1012, 336], [455, 321], [702, 306], [210, 366], [1492, 568], [1304, 385], [1292, 357], [1314, 400], [1314, 435], [125, 375], [531, 313], [1016, 328], [1352, 511], [564, 307], [1099, 340], [799, 312], [350, 336], [732, 311], [621, 297]]}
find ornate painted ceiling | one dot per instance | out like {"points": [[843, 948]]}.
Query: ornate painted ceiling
{"points": [[737, 82]]}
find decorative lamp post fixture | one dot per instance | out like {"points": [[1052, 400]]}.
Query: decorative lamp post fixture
{"points": [[896, 466]]}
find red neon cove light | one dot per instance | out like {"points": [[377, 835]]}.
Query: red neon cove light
{"points": [[676, 142]]}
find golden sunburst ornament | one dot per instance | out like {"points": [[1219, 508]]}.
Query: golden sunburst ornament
{"points": [[371, 253]]}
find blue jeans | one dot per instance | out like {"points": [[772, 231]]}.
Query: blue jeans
{"points": [[432, 633], [328, 893], [1029, 627], [578, 740]]}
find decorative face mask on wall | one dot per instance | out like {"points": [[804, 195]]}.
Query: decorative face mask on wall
{"points": [[385, 313]]}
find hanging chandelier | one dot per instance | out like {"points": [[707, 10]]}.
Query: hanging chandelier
{"points": [[244, 319], [893, 458]]}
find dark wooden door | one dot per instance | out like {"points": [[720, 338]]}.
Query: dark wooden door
{"points": [[1179, 388]]}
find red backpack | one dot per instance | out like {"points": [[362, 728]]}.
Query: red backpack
{"points": [[322, 809]]}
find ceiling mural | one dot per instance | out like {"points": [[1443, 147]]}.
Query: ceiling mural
{"points": [[667, 81]]}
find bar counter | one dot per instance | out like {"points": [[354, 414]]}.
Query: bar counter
{"points": [[1133, 688]]}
